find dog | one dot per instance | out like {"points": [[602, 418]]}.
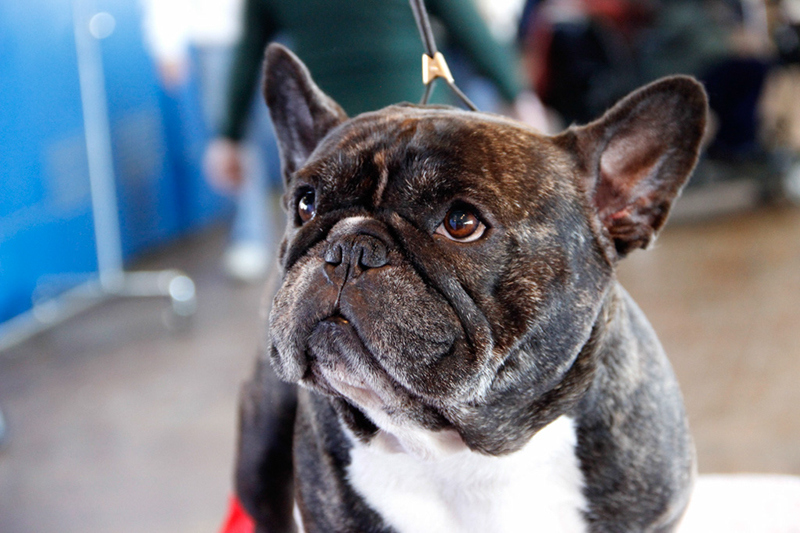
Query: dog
{"points": [[449, 349]]}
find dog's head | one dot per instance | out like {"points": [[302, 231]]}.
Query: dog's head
{"points": [[445, 269]]}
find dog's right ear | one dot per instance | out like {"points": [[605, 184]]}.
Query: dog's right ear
{"points": [[637, 156], [301, 113]]}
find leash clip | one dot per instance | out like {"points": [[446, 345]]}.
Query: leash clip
{"points": [[435, 67]]}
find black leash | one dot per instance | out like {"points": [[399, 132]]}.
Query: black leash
{"points": [[433, 64]]}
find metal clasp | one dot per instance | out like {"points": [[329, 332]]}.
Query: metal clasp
{"points": [[435, 67]]}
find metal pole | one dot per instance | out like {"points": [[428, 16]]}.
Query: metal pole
{"points": [[98, 146], [112, 280]]}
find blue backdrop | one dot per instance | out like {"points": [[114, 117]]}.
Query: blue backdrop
{"points": [[157, 141]]}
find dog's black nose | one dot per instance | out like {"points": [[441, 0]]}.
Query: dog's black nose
{"points": [[354, 247], [363, 251]]}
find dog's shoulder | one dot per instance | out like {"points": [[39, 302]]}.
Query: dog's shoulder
{"points": [[633, 440]]}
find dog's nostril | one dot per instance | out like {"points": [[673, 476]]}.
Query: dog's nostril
{"points": [[373, 256], [363, 252], [333, 255]]}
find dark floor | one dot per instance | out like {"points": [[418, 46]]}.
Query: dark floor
{"points": [[118, 424]]}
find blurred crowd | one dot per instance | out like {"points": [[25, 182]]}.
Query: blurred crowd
{"points": [[581, 56], [567, 62]]}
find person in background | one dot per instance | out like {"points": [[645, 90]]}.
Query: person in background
{"points": [[180, 32], [584, 55], [580, 55], [198, 38], [366, 54]]}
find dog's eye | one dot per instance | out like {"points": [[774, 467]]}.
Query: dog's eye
{"points": [[305, 205], [461, 224]]}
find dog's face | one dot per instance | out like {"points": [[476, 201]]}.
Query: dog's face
{"points": [[445, 269]]}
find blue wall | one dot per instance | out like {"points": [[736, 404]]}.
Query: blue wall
{"points": [[45, 213]]}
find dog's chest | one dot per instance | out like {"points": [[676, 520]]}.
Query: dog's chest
{"points": [[538, 488]]}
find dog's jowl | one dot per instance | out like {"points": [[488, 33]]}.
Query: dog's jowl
{"points": [[449, 349]]}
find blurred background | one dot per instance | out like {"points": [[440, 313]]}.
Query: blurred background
{"points": [[139, 212]]}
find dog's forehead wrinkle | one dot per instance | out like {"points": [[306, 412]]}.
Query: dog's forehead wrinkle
{"points": [[398, 146], [383, 179]]}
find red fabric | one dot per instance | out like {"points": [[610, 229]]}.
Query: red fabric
{"points": [[237, 521]]}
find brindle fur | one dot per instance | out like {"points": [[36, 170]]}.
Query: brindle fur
{"points": [[493, 339]]}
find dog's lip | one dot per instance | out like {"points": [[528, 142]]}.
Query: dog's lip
{"points": [[341, 319], [335, 378], [359, 393], [342, 383], [338, 318]]}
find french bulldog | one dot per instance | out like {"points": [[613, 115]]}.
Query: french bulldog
{"points": [[449, 349]]}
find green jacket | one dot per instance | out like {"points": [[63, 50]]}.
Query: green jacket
{"points": [[365, 54]]}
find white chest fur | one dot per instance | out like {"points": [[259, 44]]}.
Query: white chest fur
{"points": [[537, 488]]}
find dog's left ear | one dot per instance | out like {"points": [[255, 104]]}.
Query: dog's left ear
{"points": [[301, 113], [638, 155]]}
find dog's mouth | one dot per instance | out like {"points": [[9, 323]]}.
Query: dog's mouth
{"points": [[337, 318], [384, 333], [353, 390], [339, 364]]}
